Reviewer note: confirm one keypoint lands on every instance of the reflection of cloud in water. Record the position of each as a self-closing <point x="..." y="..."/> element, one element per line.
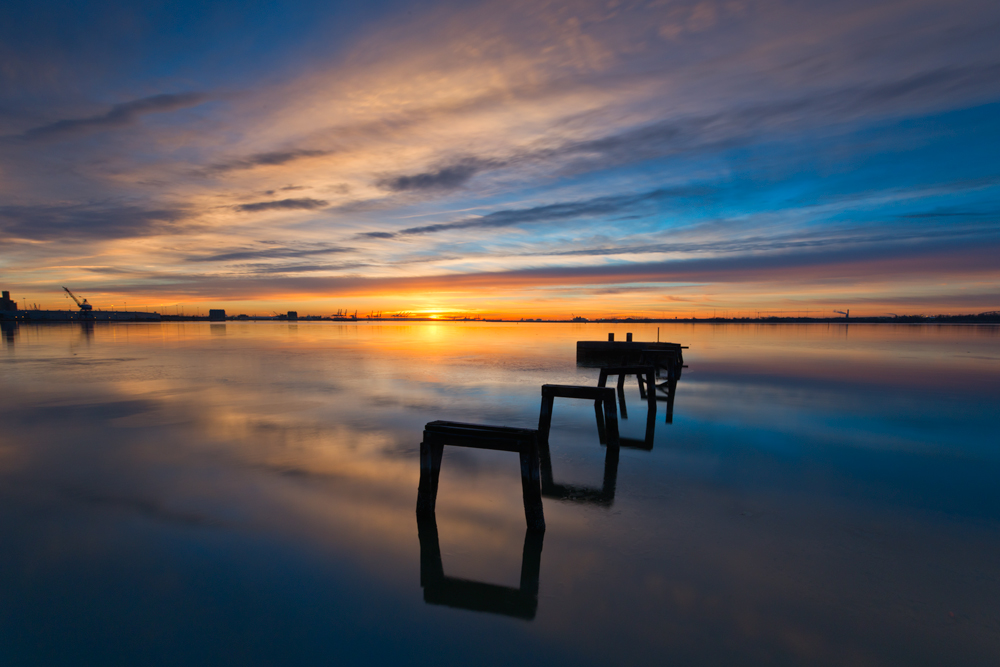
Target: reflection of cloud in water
<point x="147" y="508"/>
<point x="748" y="532"/>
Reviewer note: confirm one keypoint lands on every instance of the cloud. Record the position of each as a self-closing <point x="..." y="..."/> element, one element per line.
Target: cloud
<point x="270" y="253"/>
<point x="271" y="159"/>
<point x="283" y="204"/>
<point x="88" y="221"/>
<point x="609" y="205"/>
<point x="446" y="178"/>
<point x="271" y="269"/>
<point x="830" y="101"/>
<point x="933" y="258"/>
<point x="120" y="115"/>
<point x="928" y="87"/>
<point x="794" y="241"/>
<point x="749" y="122"/>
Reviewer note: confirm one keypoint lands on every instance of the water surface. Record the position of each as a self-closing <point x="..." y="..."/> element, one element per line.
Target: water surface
<point x="243" y="493"/>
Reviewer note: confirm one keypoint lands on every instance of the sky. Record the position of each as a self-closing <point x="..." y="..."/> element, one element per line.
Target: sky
<point x="515" y="158"/>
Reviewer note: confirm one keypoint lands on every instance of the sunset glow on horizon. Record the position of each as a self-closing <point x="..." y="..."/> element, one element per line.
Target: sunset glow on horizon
<point x="504" y="159"/>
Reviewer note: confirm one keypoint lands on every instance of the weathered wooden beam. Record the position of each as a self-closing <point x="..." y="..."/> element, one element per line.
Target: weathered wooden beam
<point x="437" y="434"/>
<point x="576" y="391"/>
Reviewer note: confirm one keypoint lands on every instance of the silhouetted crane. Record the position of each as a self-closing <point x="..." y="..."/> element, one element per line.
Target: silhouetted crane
<point x="847" y="315"/>
<point x="83" y="304"/>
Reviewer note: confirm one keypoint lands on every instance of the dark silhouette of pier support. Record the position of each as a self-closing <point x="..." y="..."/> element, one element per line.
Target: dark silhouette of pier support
<point x="646" y="376"/>
<point x="607" y="424"/>
<point x="524" y="441"/>
<point x="440" y="589"/>
<point x="671" y="363"/>
<point x="669" y="389"/>
<point x="668" y="361"/>
<point x="640" y="372"/>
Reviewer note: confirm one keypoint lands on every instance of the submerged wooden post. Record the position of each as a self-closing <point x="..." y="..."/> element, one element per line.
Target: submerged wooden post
<point x="621" y="395"/>
<point x="671" y="390"/>
<point x="430" y="472"/>
<point x="531" y="489"/>
<point x="611" y="421"/>
<point x="545" y="417"/>
<point x="650" y="393"/>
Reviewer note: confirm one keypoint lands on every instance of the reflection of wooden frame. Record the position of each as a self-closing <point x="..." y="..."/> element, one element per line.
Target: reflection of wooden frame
<point x="647" y="443"/>
<point x="524" y="441"/>
<point x="670" y="389"/>
<point x="440" y="589"/>
<point x="639" y="372"/>
<point x="607" y="425"/>
<point x="581" y="494"/>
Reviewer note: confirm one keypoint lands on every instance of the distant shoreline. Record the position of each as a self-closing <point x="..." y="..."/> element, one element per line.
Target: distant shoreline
<point x="983" y="318"/>
<point x="910" y="319"/>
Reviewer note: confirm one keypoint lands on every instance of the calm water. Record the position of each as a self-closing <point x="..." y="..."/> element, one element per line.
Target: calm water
<point x="243" y="493"/>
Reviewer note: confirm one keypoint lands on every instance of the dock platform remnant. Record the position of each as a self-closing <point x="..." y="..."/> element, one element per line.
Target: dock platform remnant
<point x="597" y="353"/>
<point x="524" y="441"/>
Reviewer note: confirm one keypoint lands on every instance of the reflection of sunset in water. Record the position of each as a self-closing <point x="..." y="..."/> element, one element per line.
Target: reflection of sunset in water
<point x="824" y="494"/>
